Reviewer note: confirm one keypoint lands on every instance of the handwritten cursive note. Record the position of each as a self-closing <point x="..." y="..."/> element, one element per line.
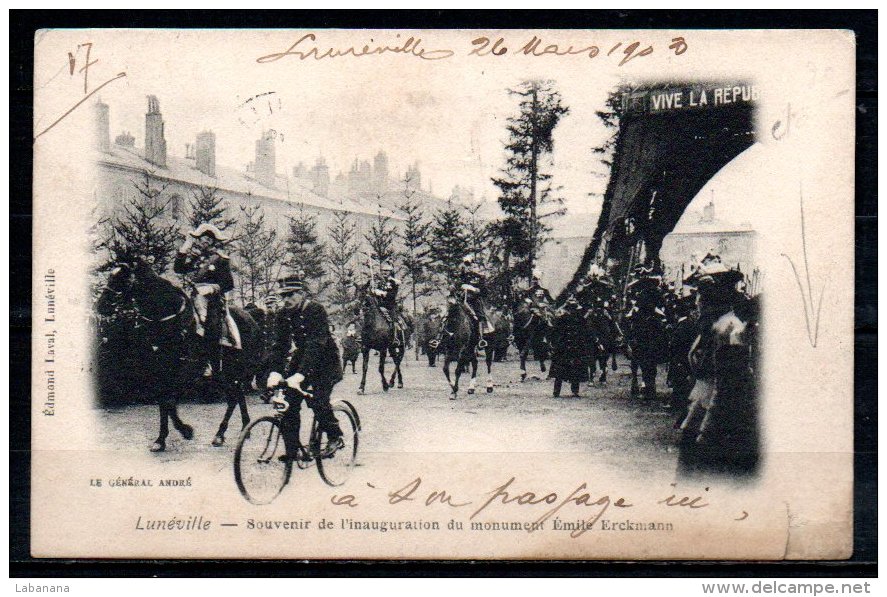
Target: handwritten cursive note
<point x="308" y="46"/>
<point x="508" y="493"/>
<point x="85" y="63"/>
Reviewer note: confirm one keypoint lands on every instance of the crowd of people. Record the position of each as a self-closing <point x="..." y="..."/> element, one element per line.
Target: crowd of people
<point x="703" y="328"/>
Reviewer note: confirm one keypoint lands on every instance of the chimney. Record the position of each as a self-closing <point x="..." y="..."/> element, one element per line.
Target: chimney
<point x="102" y="126"/>
<point x="155" y="143"/>
<point x="206" y="153"/>
<point x="265" y="161"/>
<point x="708" y="212"/>
<point x="124" y="139"/>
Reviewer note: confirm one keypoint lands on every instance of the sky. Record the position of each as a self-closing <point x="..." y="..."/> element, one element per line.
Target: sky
<point x="448" y="117"/>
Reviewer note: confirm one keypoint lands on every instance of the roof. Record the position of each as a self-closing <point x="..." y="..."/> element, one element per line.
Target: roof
<point x="693" y="223"/>
<point x="231" y="180"/>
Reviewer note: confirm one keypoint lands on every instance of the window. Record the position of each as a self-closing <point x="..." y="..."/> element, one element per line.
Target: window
<point x="175" y="206"/>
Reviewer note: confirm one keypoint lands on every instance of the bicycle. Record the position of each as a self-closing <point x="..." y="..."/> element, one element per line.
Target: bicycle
<point x="262" y="468"/>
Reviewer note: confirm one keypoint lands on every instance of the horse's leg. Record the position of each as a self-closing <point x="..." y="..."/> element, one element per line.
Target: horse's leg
<point x="186" y="430"/>
<point x="397" y="364"/>
<point x="159" y="444"/>
<point x="446" y="370"/>
<point x="365" y="363"/>
<point x="635" y="390"/>
<point x="648" y="372"/>
<point x="603" y="364"/>
<point x="458" y="374"/>
<point x="244" y="411"/>
<point x="219" y="438"/>
<point x="471" y="383"/>
<point x="592" y="367"/>
<point x="523" y="362"/>
<point x="489" y="356"/>
<point x="383" y="354"/>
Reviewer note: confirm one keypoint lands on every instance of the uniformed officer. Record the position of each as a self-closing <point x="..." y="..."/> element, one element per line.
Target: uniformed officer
<point x="473" y="283"/>
<point x="386" y="289"/>
<point x="536" y="287"/>
<point x="305" y="353"/>
<point x="208" y="270"/>
<point x="569" y="356"/>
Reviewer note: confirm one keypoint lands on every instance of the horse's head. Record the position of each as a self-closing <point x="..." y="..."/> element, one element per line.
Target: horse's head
<point x="118" y="288"/>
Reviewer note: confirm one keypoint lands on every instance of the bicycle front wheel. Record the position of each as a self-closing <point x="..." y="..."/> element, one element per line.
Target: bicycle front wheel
<point x="260" y="470"/>
<point x="336" y="469"/>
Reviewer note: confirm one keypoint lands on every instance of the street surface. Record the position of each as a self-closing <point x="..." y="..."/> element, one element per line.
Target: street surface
<point x="621" y="431"/>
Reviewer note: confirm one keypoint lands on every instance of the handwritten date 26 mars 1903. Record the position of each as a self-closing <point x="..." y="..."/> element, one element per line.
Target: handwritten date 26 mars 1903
<point x="307" y="46"/>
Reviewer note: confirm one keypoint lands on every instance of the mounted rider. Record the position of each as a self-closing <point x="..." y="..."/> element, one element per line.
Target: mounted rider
<point x="536" y="290"/>
<point x="473" y="283"/>
<point x="208" y="272"/>
<point x="385" y="287"/>
<point x="305" y="353"/>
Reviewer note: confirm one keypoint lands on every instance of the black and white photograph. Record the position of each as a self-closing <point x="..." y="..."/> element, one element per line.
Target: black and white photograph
<point x="443" y="294"/>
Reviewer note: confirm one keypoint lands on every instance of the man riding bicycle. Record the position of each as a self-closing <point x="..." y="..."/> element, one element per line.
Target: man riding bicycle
<point x="304" y="350"/>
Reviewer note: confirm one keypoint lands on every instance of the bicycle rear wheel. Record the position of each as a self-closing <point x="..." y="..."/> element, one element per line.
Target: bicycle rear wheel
<point x="336" y="469"/>
<point x="258" y="469"/>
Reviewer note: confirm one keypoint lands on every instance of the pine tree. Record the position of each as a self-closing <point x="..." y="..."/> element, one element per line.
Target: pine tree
<point x="525" y="185"/>
<point x="380" y="239"/>
<point x="259" y="254"/>
<point x="304" y="251"/>
<point x="341" y="254"/>
<point x="414" y="254"/>
<point x="477" y="233"/>
<point x="208" y="206"/>
<point x="448" y="242"/>
<point x="142" y="231"/>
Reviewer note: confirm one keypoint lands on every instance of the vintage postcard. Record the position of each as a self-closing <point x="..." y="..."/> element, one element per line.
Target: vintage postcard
<point x="447" y="294"/>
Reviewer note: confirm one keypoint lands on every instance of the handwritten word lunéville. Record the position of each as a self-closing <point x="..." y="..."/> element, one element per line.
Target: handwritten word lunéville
<point x="305" y="48"/>
<point x="308" y="46"/>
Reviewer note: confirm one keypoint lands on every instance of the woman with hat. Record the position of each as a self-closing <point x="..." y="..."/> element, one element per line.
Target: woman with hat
<point x="720" y="429"/>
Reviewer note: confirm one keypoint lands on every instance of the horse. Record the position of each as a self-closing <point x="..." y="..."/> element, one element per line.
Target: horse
<point x="350" y="352"/>
<point x="494" y="341"/>
<point x="603" y="338"/>
<point x="428" y="332"/>
<point x="502" y="337"/>
<point x="646" y="346"/>
<point x="377" y="333"/>
<point x="460" y="340"/>
<point x="177" y="354"/>
<point x="531" y="331"/>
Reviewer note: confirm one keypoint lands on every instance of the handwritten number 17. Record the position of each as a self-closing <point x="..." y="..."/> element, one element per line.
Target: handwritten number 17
<point x="72" y="64"/>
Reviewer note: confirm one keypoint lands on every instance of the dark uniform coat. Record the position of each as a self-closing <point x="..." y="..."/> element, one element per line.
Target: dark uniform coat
<point x="390" y="287"/>
<point x="569" y="346"/>
<point x="531" y="292"/>
<point x="303" y="344"/>
<point x="212" y="268"/>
